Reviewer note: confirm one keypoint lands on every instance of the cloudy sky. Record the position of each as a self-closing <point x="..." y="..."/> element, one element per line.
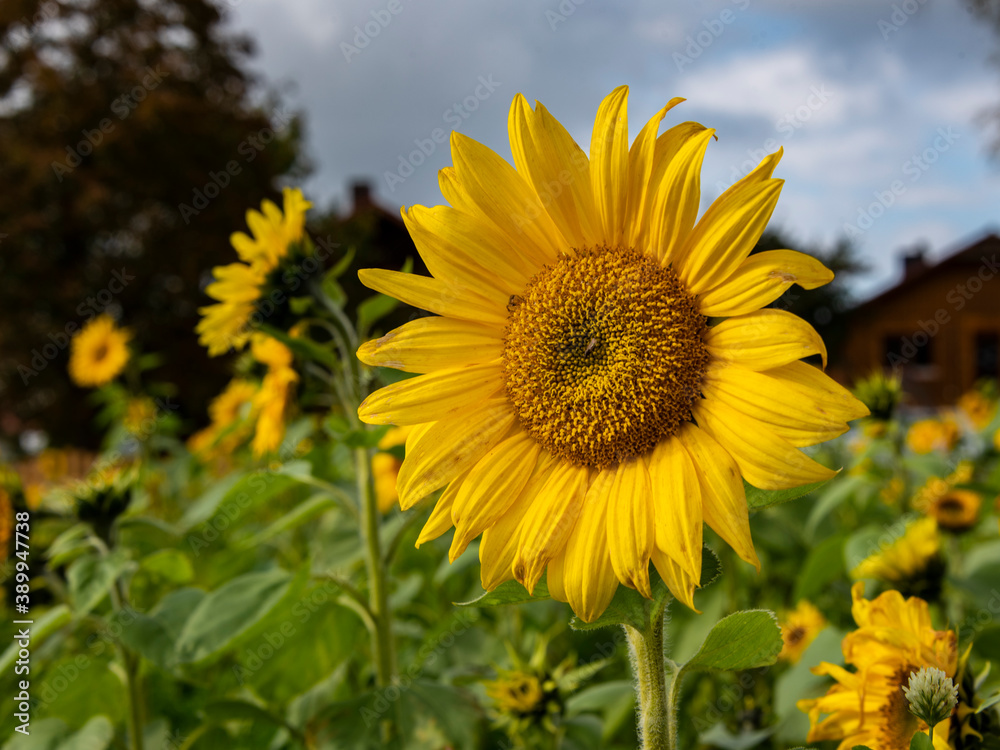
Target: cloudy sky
<point x="869" y="98"/>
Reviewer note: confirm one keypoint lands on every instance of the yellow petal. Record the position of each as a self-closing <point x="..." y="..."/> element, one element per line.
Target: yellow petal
<point x="726" y="234"/>
<point x="491" y="488"/>
<point x="794" y="414"/>
<point x="440" y="519"/>
<point x="462" y="250"/>
<point x="549" y="522"/>
<point x="555" y="577"/>
<point x="588" y="576"/>
<point x="434" y="296"/>
<point x="641" y="160"/>
<point x="677" y="177"/>
<point x="451" y="447"/>
<point x="723" y="497"/>
<point x="677" y="510"/>
<point x="763" y="340"/>
<point x="630" y="525"/>
<point x="832" y="395"/>
<point x="430" y="397"/>
<point x="548" y="157"/>
<point x="678" y="580"/>
<point x="499" y="542"/>
<point x="768" y="461"/>
<point x="429" y="344"/>
<point x="609" y="164"/>
<point x="506" y="198"/>
<point x="761" y="279"/>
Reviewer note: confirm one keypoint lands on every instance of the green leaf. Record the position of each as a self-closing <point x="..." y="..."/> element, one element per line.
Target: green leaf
<point x="234" y="495"/>
<point x="921" y="741"/>
<point x="824" y="564"/>
<point x="96" y="734"/>
<point x="341" y="265"/>
<point x="838" y="490"/>
<point x="989" y="703"/>
<point x="372" y="310"/>
<point x="90" y="578"/>
<point x="42" y="628"/>
<point x="68" y="545"/>
<point x="303" y="347"/>
<point x="509" y="592"/>
<point x="169" y="565"/>
<point x="743" y="640"/>
<point x="759" y="499"/>
<point x="219" y="712"/>
<point x="302" y="513"/>
<point x="720" y="737"/>
<point x="154" y="636"/>
<point x="629" y="607"/>
<point x="229" y="614"/>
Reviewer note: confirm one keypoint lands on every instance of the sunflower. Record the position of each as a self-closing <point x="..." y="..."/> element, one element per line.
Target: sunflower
<point x="800" y="628"/>
<point x="574" y="401"/>
<point x="229" y="413"/>
<point x="270" y="403"/>
<point x="978" y="408"/>
<point x="955" y="510"/>
<point x="98" y="352"/>
<point x="911" y="563"/>
<point x="867" y="707"/>
<point x="140" y="415"/>
<point x="932" y="435"/>
<point x="238" y="286"/>
<point x="385" y="468"/>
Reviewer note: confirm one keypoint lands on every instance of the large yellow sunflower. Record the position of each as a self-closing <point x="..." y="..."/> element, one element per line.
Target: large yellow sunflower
<point x="98" y="352"/>
<point x="227" y="324"/>
<point x="574" y="400"/>
<point x="867" y="707"/>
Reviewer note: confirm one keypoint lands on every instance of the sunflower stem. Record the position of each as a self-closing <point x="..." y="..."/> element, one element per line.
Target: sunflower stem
<point x="657" y="705"/>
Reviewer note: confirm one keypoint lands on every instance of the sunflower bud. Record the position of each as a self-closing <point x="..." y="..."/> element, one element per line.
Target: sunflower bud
<point x="932" y="695"/>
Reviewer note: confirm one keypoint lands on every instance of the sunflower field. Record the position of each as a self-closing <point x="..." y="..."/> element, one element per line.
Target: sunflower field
<point x="596" y="492"/>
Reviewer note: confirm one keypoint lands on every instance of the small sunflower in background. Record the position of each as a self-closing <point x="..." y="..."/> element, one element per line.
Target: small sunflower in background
<point x="230" y="425"/>
<point x="882" y="394"/>
<point x="929" y="435"/>
<point x="385" y="467"/>
<point x="867" y="707"/>
<point x="238" y="287"/>
<point x="800" y="628"/>
<point x="271" y="402"/>
<point x="979" y="405"/>
<point x="140" y="415"/>
<point x="99" y="352"/>
<point x="582" y="415"/>
<point x="955" y="510"/>
<point x="911" y="563"/>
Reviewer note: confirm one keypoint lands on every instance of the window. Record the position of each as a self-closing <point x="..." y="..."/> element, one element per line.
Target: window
<point x="987" y="348"/>
<point x="910" y="349"/>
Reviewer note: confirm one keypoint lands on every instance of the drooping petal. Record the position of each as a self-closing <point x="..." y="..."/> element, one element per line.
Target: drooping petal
<point x="760" y="280"/>
<point x="609" y="164"/>
<point x="491" y="488"/>
<point x="434" y="296"/>
<point x="588" y="576"/>
<point x="440" y="518"/>
<point x="434" y="396"/>
<point x="677" y="504"/>
<point x="430" y="344"/>
<point x="763" y="340"/>
<point x="723" y="497"/>
<point x="499" y="542"/>
<point x="549" y="522"/>
<point x="558" y="169"/>
<point x="678" y="580"/>
<point x="450" y="448"/>
<point x="824" y="390"/>
<point x="768" y="462"/>
<point x="630" y="525"/>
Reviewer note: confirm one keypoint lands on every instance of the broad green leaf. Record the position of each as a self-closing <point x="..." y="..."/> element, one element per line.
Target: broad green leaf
<point x="78" y="689"/>
<point x="232" y="497"/>
<point x="921" y="741"/>
<point x="758" y="499"/>
<point x="168" y="564"/>
<point x="743" y="640"/>
<point x="629" y="607"/>
<point x="41" y="629"/>
<point x="45" y="734"/>
<point x="597" y="698"/>
<point x="219" y="712"/>
<point x="302" y="513"/>
<point x="68" y="545"/>
<point x="154" y="635"/>
<point x="372" y="310"/>
<point x="90" y="578"/>
<point x="230" y="613"/>
<point x="509" y="592"/>
<point x="824" y="564"/>
<point x="96" y="734"/>
<point x="838" y="490"/>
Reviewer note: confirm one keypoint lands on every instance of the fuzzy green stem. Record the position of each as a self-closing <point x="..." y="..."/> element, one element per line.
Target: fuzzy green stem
<point x="657" y="707"/>
<point x="378" y="598"/>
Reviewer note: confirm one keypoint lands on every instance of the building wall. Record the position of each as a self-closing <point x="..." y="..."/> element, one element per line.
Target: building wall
<point x="945" y="318"/>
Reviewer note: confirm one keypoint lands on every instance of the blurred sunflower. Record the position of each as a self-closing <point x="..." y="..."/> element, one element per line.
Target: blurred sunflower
<point x="912" y="563"/>
<point x="270" y="403"/>
<point x="238" y="286"/>
<point x="385" y="468"/>
<point x="98" y="352"/>
<point x="799" y="629"/>
<point x="978" y="408"/>
<point x="929" y="435"/>
<point x="955" y="510"/>
<point x="140" y="415"/>
<point x="867" y="707"/>
<point x="581" y="412"/>
<point x="229" y="413"/>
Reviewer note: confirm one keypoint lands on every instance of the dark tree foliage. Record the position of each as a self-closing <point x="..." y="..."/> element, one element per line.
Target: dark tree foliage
<point x="131" y="144"/>
<point x="989" y="11"/>
<point x="826" y="307"/>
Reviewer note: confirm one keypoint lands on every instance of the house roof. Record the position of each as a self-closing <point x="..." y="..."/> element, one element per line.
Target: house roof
<point x="969" y="255"/>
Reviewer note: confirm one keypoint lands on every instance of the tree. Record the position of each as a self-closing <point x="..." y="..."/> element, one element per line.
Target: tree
<point x="130" y="148"/>
<point x="989" y="11"/>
